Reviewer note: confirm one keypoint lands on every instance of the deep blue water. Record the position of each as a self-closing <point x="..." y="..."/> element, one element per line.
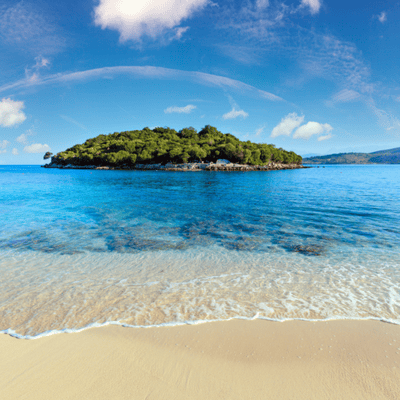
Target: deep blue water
<point x="154" y="247"/>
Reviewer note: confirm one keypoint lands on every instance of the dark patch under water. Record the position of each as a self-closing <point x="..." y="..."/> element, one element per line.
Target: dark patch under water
<point x="173" y="248"/>
<point x="308" y="212"/>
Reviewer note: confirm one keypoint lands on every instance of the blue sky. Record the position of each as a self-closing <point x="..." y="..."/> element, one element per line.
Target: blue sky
<point x="312" y="76"/>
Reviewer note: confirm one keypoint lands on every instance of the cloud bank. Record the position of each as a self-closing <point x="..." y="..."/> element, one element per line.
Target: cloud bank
<point x="36" y="148"/>
<point x="292" y="121"/>
<point x="180" y="110"/>
<point x="23" y="138"/>
<point x="325" y="137"/>
<point x="312" y="128"/>
<point x="251" y="33"/>
<point x="382" y="17"/>
<point x="3" y="146"/>
<point x="345" y="96"/>
<point x="386" y="120"/>
<point x="147" y="72"/>
<point x="235" y="113"/>
<point x="314" y="5"/>
<point x="134" y="19"/>
<point x="28" y="28"/>
<point x="287" y="125"/>
<point x="11" y="113"/>
<point x="260" y="130"/>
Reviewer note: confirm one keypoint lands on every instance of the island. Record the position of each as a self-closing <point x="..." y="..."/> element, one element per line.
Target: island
<point x="391" y="156"/>
<point x="167" y="149"/>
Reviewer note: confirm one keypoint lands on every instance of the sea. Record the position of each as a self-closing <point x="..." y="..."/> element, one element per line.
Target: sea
<point x="86" y="248"/>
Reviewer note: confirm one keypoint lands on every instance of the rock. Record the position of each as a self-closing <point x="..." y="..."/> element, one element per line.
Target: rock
<point x="183" y="167"/>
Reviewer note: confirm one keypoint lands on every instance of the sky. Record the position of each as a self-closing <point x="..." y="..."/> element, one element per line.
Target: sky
<point x="310" y="76"/>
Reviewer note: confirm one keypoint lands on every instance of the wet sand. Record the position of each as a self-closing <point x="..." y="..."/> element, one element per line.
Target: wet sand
<point x="221" y="360"/>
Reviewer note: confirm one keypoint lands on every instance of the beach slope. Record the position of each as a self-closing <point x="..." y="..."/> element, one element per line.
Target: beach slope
<point x="235" y="359"/>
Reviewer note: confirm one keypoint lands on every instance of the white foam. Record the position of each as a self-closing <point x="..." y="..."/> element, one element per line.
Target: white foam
<point x="193" y="288"/>
<point x="12" y="333"/>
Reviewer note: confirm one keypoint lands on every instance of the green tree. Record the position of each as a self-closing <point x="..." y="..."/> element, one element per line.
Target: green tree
<point x="166" y="144"/>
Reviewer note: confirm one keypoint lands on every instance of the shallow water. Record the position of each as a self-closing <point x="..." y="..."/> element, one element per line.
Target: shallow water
<point x="80" y="247"/>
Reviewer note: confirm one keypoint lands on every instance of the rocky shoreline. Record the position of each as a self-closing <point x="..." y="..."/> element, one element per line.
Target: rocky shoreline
<point x="185" y="167"/>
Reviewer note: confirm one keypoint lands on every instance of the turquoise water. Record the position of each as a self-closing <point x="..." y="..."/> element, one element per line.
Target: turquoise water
<point x="142" y="248"/>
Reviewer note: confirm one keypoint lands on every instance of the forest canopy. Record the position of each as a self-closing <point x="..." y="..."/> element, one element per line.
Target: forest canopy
<point x="163" y="145"/>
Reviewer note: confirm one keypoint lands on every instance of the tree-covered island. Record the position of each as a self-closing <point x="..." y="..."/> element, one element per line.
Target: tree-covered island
<point x="165" y="147"/>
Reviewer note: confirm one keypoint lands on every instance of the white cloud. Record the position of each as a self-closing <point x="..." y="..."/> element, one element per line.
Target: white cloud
<point x="275" y="31"/>
<point x="287" y="125"/>
<point x="11" y="112"/>
<point x="32" y="74"/>
<point x="36" y="148"/>
<point x="385" y="119"/>
<point x="253" y="20"/>
<point x="14" y="152"/>
<point x="31" y="77"/>
<point x="3" y="146"/>
<point x="314" y="5"/>
<point x="261" y="4"/>
<point x="382" y="17"/>
<point x="311" y="128"/>
<point x="180" y="110"/>
<point x="260" y="130"/>
<point x="146" y="72"/>
<point x="235" y="113"/>
<point x="134" y="19"/>
<point x="23" y="138"/>
<point x="336" y="60"/>
<point x="41" y="62"/>
<point x="345" y="96"/>
<point x="325" y="137"/>
<point x="180" y="31"/>
<point x="28" y="28"/>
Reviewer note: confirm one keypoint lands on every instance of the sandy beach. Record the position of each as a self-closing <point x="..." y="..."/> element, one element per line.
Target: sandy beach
<point x="235" y="359"/>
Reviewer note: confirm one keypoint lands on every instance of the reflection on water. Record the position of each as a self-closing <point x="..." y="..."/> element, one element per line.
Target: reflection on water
<point x="149" y="247"/>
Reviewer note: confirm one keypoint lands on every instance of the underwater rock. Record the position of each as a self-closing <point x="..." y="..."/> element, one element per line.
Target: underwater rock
<point x="308" y="250"/>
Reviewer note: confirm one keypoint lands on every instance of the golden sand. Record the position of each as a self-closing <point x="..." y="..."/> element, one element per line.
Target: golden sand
<point x="221" y="360"/>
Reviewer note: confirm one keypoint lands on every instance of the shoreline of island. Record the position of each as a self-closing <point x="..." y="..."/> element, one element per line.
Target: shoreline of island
<point x="234" y="359"/>
<point x="185" y="167"/>
<point x="171" y="150"/>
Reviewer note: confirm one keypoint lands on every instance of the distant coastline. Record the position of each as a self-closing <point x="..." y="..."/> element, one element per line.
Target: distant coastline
<point x="391" y="156"/>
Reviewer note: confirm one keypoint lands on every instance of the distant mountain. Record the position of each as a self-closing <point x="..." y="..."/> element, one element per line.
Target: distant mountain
<point x="391" y="156"/>
<point x="309" y="155"/>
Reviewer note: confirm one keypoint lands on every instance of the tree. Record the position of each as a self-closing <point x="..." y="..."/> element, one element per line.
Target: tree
<point x="166" y="145"/>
